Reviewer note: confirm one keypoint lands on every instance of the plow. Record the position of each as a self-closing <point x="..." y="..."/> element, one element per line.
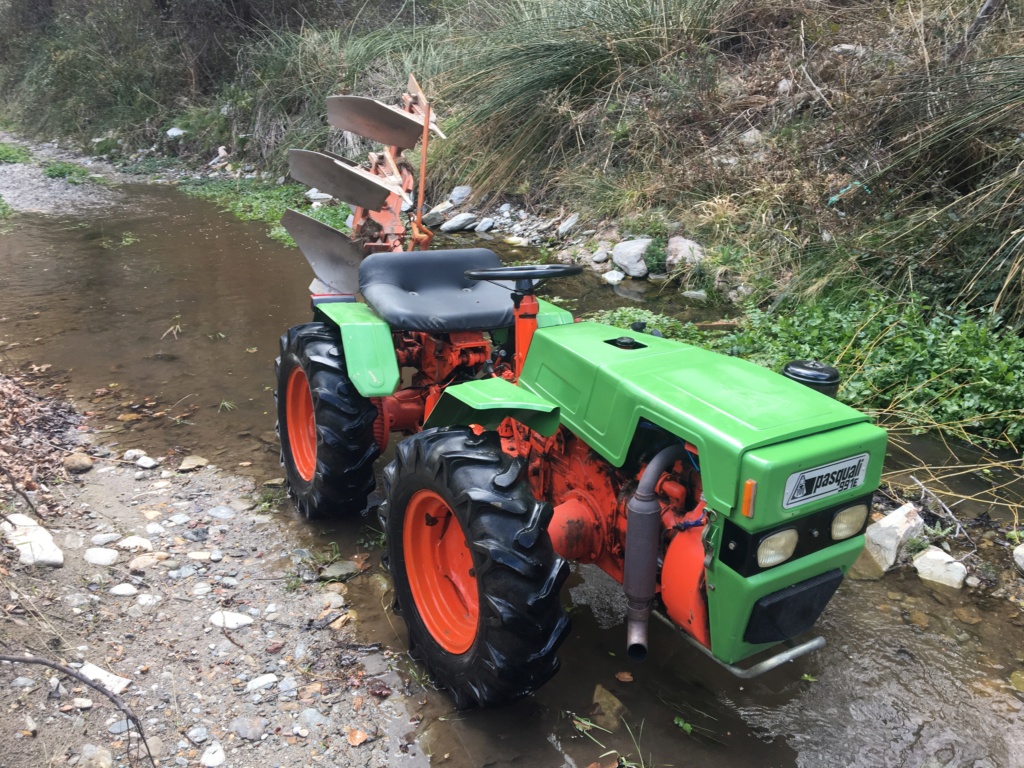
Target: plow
<point x="726" y="499"/>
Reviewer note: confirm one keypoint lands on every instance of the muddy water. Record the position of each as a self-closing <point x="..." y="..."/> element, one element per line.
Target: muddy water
<point x="170" y="312"/>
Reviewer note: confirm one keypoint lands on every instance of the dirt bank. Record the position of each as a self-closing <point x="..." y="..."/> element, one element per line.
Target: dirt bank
<point x="232" y="647"/>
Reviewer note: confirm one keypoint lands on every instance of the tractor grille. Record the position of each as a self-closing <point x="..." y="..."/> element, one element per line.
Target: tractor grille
<point x="791" y="611"/>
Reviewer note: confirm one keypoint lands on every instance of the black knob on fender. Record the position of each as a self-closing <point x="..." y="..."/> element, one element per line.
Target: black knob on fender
<point x="811" y="373"/>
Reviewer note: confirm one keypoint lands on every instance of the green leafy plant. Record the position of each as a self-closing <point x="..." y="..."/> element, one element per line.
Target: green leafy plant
<point x="70" y="172"/>
<point x="5" y="209"/>
<point x="14" y="153"/>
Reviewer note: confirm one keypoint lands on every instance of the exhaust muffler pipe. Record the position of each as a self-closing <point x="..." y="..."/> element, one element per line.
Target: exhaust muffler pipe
<point x="643" y="538"/>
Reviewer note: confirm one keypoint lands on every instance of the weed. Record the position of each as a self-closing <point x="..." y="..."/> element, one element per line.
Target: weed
<point x="175" y="328"/>
<point x="226" y="405"/>
<point x="70" y="172"/>
<point x="149" y="165"/>
<point x="14" y="153"/>
<point x="270" y="499"/>
<point x="5" y="209"/>
<point x="370" y="538"/>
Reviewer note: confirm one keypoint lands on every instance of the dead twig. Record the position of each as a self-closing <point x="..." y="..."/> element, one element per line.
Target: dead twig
<point x="17" y="490"/>
<point x="960" y="531"/>
<point x="114" y="698"/>
<point x="224" y="631"/>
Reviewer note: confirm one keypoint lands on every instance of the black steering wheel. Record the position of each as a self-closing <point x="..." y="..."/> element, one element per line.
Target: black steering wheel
<point x="524" y="272"/>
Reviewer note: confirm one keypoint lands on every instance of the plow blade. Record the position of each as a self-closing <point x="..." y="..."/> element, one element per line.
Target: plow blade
<point x="333" y="256"/>
<point x="375" y="121"/>
<point x="349" y="183"/>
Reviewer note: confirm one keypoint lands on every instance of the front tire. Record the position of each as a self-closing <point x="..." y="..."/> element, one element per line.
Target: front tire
<point x="324" y="424"/>
<point x="476" y="578"/>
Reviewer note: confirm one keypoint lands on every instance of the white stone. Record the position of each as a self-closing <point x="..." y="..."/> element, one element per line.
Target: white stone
<point x="82" y="703"/>
<point x="192" y="462"/>
<point x="484" y="226"/>
<point x="108" y="680"/>
<point x="147" y="462"/>
<point x="229" y="620"/>
<point x="35" y="544"/>
<point x="460" y="195"/>
<point x="751" y="138"/>
<point x="213" y="756"/>
<point x="101" y="556"/>
<point x="937" y="567"/>
<point x="175" y="133"/>
<point x="154" y="529"/>
<point x="133" y="454"/>
<point x="147" y="600"/>
<point x="680" y="251"/>
<point x="629" y="256"/>
<point x="124" y="590"/>
<point x="566" y="226"/>
<point x="600" y="256"/>
<point x="102" y="539"/>
<point x="885" y="539"/>
<point x="263" y="681"/>
<point x="1018" y="557"/>
<point x="95" y="757"/>
<point x="135" y="543"/>
<point x="784" y="87"/>
<point x="613" y="277"/>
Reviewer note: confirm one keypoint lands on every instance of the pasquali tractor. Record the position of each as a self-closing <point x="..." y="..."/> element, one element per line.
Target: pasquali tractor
<point x="728" y="500"/>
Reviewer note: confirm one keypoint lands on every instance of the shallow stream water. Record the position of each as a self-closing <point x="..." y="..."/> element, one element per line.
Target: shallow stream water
<point x="163" y="317"/>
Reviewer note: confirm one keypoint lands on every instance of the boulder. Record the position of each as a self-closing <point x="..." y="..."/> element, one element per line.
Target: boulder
<point x="566" y="226"/>
<point x="680" y="251"/>
<point x="885" y="539"/>
<point x="484" y="226"/>
<point x="459" y="222"/>
<point x="629" y="256"/>
<point x="936" y="567"/>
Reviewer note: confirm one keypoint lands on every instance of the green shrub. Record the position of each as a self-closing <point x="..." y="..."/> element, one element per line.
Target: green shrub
<point x="70" y="172"/>
<point x="14" y="153"/>
<point x="5" y="209"/>
<point x="917" y="367"/>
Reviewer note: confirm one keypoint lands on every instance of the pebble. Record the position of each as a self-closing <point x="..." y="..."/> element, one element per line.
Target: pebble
<point x="148" y="560"/>
<point x="263" y="681"/>
<point x="342" y="570"/>
<point x="178" y="519"/>
<point x="95" y="757"/>
<point x="199" y="556"/>
<point x="101" y="556"/>
<point x="35" y="544"/>
<point x="121" y="726"/>
<point x="613" y="277"/>
<point x="182" y="573"/>
<point x="108" y="680"/>
<point x="191" y="463"/>
<point x="24" y="682"/>
<point x="82" y="703"/>
<point x="213" y="756"/>
<point x="230" y="620"/>
<point x="312" y="718"/>
<point x="155" y="529"/>
<point x="249" y="728"/>
<point x="133" y="454"/>
<point x="202" y="588"/>
<point x="135" y="543"/>
<point x="102" y="539"/>
<point x="198" y="734"/>
<point x="147" y="600"/>
<point x="216" y="555"/>
<point x="221" y="513"/>
<point x="147" y="462"/>
<point x="124" y="590"/>
<point x="77" y="463"/>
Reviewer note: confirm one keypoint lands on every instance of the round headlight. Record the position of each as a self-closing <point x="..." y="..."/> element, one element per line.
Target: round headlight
<point x="849" y="521"/>
<point x="777" y="548"/>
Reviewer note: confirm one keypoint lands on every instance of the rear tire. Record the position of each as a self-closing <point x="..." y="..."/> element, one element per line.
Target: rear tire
<point x="324" y="424"/>
<point x="476" y="578"/>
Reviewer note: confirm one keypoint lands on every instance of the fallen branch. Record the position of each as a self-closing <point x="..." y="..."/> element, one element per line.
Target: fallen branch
<point x="17" y="490"/>
<point x="949" y="513"/>
<point x="114" y="698"/>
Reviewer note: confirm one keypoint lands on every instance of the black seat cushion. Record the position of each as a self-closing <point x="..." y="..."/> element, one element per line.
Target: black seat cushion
<point x="428" y="290"/>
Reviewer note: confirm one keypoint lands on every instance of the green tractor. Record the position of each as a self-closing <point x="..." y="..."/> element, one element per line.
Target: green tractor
<point x="728" y="500"/>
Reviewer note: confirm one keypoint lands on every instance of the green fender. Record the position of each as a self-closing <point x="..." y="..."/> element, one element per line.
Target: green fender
<point x="369" y="350"/>
<point x="488" y="401"/>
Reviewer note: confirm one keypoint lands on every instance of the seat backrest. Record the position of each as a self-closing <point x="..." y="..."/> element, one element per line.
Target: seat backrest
<point x="422" y="270"/>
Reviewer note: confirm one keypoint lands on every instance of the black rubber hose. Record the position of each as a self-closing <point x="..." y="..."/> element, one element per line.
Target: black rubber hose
<point x="643" y="536"/>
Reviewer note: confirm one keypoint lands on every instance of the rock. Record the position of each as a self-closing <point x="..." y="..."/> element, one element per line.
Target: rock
<point x="263" y="681"/>
<point x="312" y="718"/>
<point x="175" y="133"/>
<point x="967" y="615"/>
<point x="784" y="87"/>
<point x="484" y="226"/>
<point x="124" y="590"/>
<point x="135" y="543"/>
<point x="600" y="256"/>
<point x="885" y="539"/>
<point x="229" y="620"/>
<point x="629" y="256"/>
<point x="101" y="556"/>
<point x="937" y="567"/>
<point x="846" y="49"/>
<point x="147" y="462"/>
<point x="198" y="734"/>
<point x="82" y="703"/>
<point x="751" y="138"/>
<point x="202" y="588"/>
<point x="198" y="556"/>
<point x="919" y="619"/>
<point x="249" y="728"/>
<point x="108" y="680"/>
<point x="460" y="195"/>
<point x="972" y="582"/>
<point x="133" y="454"/>
<point x="1017" y="680"/>
<point x="436" y="214"/>
<point x="613" y="277"/>
<point x="695" y="295"/>
<point x="314" y="195"/>
<point x="740" y="292"/>
<point x="221" y="513"/>
<point x="24" y="682"/>
<point x="458" y="223"/>
<point x="77" y="463"/>
<point x="147" y="600"/>
<point x="566" y="226"/>
<point x="35" y="544"/>
<point x="95" y="757"/>
<point x="342" y="570"/>
<point x="192" y="463"/>
<point x="213" y="756"/>
<point x="680" y="251"/>
<point x="609" y="710"/>
<point x="1018" y="557"/>
<point x="102" y="539"/>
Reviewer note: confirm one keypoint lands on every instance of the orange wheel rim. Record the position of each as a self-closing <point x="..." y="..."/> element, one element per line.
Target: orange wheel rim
<point x="440" y="570"/>
<point x="301" y="424"/>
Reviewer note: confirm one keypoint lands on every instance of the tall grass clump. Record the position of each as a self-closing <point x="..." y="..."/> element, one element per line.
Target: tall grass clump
<point x="545" y="83"/>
